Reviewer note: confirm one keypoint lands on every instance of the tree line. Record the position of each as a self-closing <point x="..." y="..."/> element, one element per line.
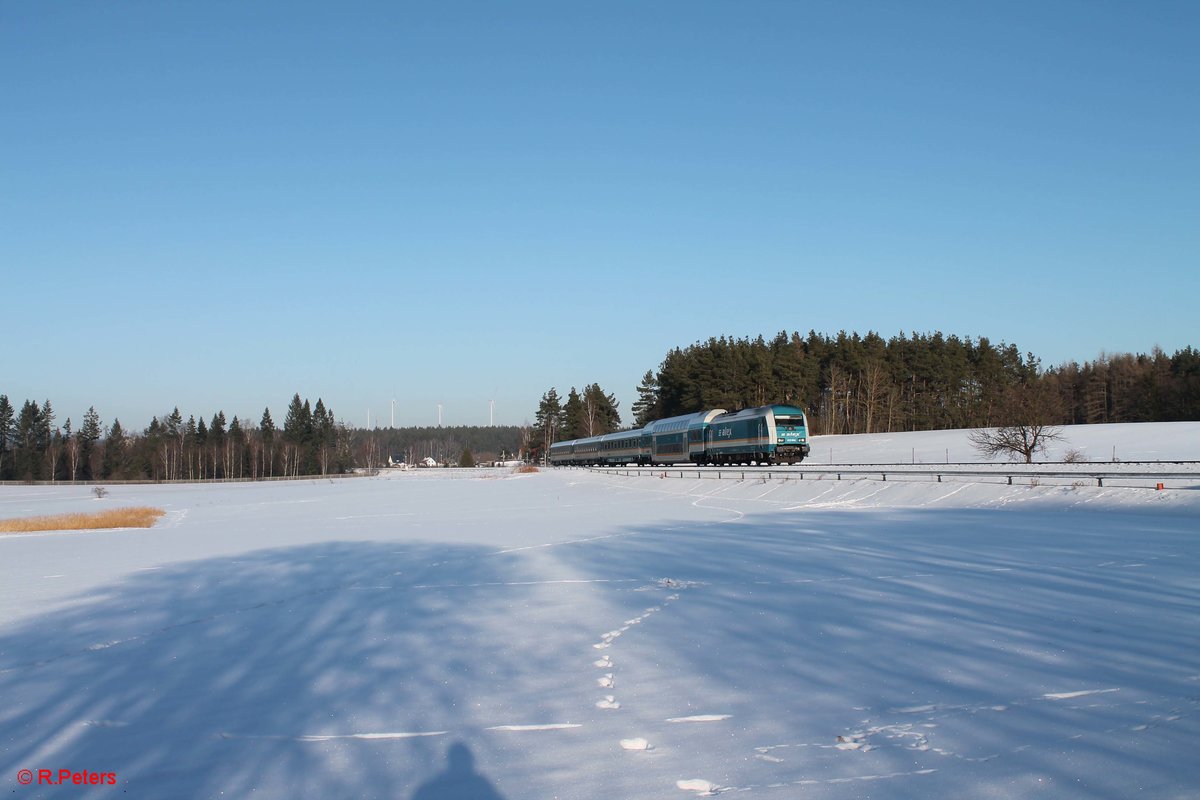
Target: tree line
<point x="591" y="412"/>
<point x="310" y="442"/>
<point x="450" y="444"/>
<point x="851" y="383"/>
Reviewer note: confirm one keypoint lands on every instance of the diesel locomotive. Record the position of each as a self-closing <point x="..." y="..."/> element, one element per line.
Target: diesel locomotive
<point x="775" y="434"/>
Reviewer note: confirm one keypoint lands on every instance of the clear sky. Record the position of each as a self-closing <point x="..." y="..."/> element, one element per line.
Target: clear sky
<point x="214" y="205"/>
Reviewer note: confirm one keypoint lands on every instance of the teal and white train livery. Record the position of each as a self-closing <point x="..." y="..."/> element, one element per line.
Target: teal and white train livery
<point x="764" y="435"/>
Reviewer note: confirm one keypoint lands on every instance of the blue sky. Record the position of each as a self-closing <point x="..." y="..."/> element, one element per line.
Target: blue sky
<point x="216" y="205"/>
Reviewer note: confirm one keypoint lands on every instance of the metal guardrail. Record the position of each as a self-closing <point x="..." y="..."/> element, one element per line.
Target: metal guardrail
<point x="933" y="474"/>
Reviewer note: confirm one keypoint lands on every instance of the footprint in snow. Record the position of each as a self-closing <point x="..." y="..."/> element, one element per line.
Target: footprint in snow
<point x="703" y="787"/>
<point x="635" y="744"/>
<point x="608" y="702"/>
<point x="855" y="741"/>
<point x="604" y="662"/>
<point x="672" y="583"/>
<point x="606" y="682"/>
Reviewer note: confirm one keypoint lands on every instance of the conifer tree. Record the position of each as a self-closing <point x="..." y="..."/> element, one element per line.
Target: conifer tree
<point x="645" y="408"/>
<point x="27" y="456"/>
<point x="307" y="451"/>
<point x="324" y="436"/>
<point x="173" y="435"/>
<point x="294" y="422"/>
<point x="600" y="411"/>
<point x="297" y="435"/>
<point x="50" y="439"/>
<point x="548" y="424"/>
<point x="235" y="444"/>
<point x="192" y="452"/>
<point x="6" y="432"/>
<point x="202" y="447"/>
<point x="575" y="426"/>
<point x="114" y="464"/>
<point x="267" y="431"/>
<point x="89" y="434"/>
<point x="157" y="443"/>
<point x="466" y="459"/>
<point x="216" y="445"/>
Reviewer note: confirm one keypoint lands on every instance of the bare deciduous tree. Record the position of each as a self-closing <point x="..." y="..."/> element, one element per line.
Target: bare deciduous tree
<point x="1014" y="440"/>
<point x="872" y="386"/>
<point x="1030" y="412"/>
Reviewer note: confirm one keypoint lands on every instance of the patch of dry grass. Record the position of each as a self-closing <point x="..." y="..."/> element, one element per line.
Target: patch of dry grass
<point x="524" y="468"/>
<point x="139" y="517"/>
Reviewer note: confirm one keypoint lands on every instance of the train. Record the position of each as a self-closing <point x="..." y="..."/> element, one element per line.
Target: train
<point x="775" y="434"/>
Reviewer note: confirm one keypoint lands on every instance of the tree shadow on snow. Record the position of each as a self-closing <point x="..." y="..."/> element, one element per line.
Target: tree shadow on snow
<point x="949" y="640"/>
<point x="331" y="670"/>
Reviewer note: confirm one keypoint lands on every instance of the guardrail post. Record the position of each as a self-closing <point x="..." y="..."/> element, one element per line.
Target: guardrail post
<point x="885" y="477"/>
<point x="1099" y="481"/>
<point x="939" y="478"/>
<point x="1010" y="480"/>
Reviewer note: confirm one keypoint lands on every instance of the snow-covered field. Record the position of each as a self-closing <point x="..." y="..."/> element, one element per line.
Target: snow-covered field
<point x="1098" y="444"/>
<point x="487" y="635"/>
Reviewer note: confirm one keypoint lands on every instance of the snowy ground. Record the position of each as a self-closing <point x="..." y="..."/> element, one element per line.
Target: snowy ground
<point x="571" y="635"/>
<point x="1098" y="444"/>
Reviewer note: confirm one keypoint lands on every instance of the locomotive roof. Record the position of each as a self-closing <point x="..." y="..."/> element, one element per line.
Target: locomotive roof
<point x="760" y="411"/>
<point x="789" y="411"/>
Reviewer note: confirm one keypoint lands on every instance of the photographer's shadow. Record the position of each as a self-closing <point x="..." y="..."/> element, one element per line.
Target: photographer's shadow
<point x="459" y="781"/>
